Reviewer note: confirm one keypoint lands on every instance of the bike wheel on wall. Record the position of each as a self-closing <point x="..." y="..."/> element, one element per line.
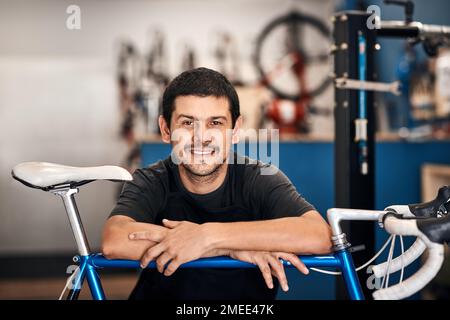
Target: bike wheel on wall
<point x="292" y="56"/>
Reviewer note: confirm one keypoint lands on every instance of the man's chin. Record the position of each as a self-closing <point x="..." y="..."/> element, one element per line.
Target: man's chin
<point x="202" y="170"/>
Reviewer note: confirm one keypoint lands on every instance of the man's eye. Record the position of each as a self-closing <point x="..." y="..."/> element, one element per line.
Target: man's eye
<point x="187" y="123"/>
<point x="216" y="123"/>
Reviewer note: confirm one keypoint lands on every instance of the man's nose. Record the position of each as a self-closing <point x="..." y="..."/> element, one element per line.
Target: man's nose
<point x="201" y="135"/>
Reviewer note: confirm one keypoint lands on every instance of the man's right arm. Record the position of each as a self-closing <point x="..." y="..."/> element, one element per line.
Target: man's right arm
<point x="117" y="245"/>
<point x="115" y="241"/>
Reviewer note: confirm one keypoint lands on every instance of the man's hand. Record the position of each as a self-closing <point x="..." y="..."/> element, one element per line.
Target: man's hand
<point x="180" y="242"/>
<point x="183" y="241"/>
<point x="115" y="239"/>
<point x="269" y="263"/>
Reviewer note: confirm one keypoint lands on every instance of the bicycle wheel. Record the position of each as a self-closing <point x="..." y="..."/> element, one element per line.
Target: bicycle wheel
<point x="301" y="51"/>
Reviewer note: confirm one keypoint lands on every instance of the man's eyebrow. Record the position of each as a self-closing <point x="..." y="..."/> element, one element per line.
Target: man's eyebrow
<point x="193" y="118"/>
<point x="185" y="116"/>
<point x="219" y="117"/>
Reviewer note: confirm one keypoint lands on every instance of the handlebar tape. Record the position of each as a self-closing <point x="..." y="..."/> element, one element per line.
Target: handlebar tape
<point x="425" y="274"/>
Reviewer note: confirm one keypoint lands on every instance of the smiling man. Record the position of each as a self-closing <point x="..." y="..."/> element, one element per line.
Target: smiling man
<point x="204" y="200"/>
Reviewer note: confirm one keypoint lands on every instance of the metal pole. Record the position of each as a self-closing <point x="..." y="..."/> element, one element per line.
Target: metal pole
<point x="67" y="195"/>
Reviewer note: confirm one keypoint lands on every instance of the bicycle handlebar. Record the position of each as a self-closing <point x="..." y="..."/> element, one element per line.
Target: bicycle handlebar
<point x="409" y="256"/>
<point x="425" y="274"/>
<point x="438" y="206"/>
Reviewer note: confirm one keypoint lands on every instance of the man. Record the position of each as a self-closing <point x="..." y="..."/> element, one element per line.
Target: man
<point x="205" y="200"/>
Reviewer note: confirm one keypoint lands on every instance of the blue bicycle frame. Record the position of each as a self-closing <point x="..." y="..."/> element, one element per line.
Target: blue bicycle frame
<point x="341" y="260"/>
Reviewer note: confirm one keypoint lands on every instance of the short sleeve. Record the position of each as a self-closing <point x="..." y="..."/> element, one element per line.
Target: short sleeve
<point x="276" y="196"/>
<point x="141" y="198"/>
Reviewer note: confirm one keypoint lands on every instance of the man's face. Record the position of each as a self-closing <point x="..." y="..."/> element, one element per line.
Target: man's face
<point x="201" y="133"/>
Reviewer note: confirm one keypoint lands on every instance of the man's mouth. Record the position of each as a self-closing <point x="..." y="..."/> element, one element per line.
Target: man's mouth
<point x="203" y="151"/>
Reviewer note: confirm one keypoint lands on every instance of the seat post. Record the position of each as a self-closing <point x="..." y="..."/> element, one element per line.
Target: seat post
<point x="67" y="194"/>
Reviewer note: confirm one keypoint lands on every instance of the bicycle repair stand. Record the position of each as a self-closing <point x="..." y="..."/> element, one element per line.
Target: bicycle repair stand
<point x="354" y="131"/>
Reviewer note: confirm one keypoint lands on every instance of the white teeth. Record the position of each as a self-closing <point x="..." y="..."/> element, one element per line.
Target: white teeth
<point x="202" y="152"/>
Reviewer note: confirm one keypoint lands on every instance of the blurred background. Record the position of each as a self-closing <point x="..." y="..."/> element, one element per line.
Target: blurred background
<point x="81" y="83"/>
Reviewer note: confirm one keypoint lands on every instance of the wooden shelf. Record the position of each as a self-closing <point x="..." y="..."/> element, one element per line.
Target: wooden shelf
<point x="434" y="176"/>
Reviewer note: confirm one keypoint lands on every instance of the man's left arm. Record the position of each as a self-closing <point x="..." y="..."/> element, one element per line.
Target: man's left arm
<point x="307" y="234"/>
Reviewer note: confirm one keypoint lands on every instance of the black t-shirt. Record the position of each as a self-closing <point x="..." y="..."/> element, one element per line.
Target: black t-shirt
<point x="156" y="192"/>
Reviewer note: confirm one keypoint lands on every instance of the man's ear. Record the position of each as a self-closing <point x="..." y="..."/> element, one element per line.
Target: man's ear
<point x="236" y="129"/>
<point x="164" y="129"/>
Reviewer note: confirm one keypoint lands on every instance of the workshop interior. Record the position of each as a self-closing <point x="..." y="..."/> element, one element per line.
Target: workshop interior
<point x="357" y="90"/>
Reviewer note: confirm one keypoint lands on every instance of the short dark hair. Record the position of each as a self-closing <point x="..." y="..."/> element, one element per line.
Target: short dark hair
<point x="202" y="82"/>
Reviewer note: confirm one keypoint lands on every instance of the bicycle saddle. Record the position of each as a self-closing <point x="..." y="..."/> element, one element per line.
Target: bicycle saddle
<point x="46" y="176"/>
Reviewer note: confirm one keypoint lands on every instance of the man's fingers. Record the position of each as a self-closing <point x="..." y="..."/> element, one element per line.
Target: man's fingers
<point x="266" y="272"/>
<point x="296" y="262"/>
<point x="162" y="260"/>
<point x="156" y="235"/>
<point x="278" y="269"/>
<point x="139" y="235"/>
<point x="172" y="267"/>
<point x="170" y="223"/>
<point x="151" y="254"/>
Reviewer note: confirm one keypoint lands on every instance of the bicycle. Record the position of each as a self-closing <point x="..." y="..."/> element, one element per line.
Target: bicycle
<point x="429" y="222"/>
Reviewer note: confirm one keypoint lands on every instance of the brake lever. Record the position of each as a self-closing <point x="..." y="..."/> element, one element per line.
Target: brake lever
<point x="445" y="208"/>
<point x="434" y="207"/>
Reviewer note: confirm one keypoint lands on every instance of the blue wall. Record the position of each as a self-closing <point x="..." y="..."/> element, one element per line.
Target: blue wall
<point x="309" y="165"/>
